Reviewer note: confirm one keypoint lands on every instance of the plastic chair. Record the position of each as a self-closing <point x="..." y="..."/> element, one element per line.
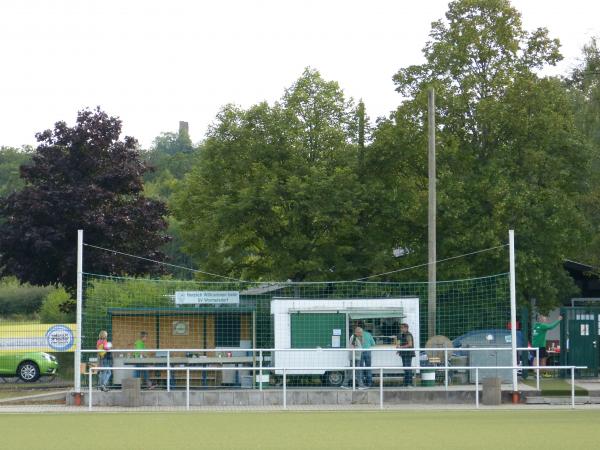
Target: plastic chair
<point x="84" y="371"/>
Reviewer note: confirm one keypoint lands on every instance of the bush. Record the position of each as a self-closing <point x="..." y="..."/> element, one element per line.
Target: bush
<point x="51" y="310"/>
<point x="21" y="299"/>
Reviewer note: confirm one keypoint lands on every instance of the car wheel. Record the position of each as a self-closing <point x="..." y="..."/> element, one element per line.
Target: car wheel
<point x="335" y="378"/>
<point x="28" y="371"/>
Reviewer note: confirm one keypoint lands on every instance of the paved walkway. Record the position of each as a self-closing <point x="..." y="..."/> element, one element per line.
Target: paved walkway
<point x="58" y="409"/>
<point x="591" y="385"/>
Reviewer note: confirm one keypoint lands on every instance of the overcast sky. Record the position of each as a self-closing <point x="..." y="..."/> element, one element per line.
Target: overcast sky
<point x="153" y="63"/>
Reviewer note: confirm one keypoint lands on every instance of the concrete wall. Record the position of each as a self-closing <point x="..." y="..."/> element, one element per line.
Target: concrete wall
<point x="275" y="397"/>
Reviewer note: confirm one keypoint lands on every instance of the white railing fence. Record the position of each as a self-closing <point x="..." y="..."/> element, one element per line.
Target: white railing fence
<point x="286" y="362"/>
<point x="284" y="371"/>
<point x="294" y="359"/>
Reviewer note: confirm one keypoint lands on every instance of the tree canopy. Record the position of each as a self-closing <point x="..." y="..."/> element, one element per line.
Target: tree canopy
<point x="509" y="153"/>
<point x="11" y="159"/>
<point x="275" y="193"/>
<point x="80" y="177"/>
<point x="306" y="188"/>
<point x="584" y="87"/>
<point x="295" y="190"/>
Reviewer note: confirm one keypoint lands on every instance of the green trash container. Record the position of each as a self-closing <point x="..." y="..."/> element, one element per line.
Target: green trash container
<point x="427" y="377"/>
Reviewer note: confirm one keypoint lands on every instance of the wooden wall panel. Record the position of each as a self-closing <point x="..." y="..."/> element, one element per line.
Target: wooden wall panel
<point x="210" y="331"/>
<point x="126" y="330"/>
<point x="246" y="327"/>
<point x="194" y="338"/>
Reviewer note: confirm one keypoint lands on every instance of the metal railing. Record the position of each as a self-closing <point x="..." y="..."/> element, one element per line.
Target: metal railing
<point x="260" y="354"/>
<point x="354" y="369"/>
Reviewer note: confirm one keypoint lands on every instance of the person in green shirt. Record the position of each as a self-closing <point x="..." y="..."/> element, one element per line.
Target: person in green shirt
<point x="538" y="337"/>
<point x="140" y="344"/>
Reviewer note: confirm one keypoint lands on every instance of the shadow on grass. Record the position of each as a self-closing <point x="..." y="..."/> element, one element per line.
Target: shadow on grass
<point x="556" y="387"/>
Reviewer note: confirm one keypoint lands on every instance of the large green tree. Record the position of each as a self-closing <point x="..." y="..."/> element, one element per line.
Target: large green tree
<point x="584" y="87"/>
<point x="10" y="161"/>
<point x="171" y="157"/>
<point x="80" y="177"/>
<point x="509" y="154"/>
<point x="585" y="84"/>
<point x="275" y="192"/>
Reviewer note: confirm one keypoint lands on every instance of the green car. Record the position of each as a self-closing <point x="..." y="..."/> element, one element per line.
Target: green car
<point x="28" y="366"/>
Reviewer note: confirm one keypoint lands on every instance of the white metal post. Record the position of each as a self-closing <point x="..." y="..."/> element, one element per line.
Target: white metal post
<point x="187" y="389"/>
<point x="477" y="387"/>
<point x="353" y="370"/>
<point x="77" y="364"/>
<point x="284" y="389"/>
<point x="513" y="307"/>
<point x="169" y="371"/>
<point x="380" y="388"/>
<point x="537" y="370"/>
<point x="445" y="369"/>
<point x="573" y="387"/>
<point x="260" y="367"/>
<point x="90" y="389"/>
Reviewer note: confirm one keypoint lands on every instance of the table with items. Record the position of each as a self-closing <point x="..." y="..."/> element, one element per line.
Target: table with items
<point x="198" y="378"/>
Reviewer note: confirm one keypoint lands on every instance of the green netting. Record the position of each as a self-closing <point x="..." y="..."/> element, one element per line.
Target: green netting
<point x="126" y="307"/>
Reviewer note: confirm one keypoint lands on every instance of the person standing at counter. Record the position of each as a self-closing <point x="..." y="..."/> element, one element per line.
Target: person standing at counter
<point x="406" y="341"/>
<point x="140" y="344"/>
<point x="538" y="338"/>
<point x="364" y="340"/>
<point x="104" y="359"/>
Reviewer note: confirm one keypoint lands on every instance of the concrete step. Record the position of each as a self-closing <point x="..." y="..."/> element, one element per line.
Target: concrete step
<point x="294" y="397"/>
<point x="579" y="400"/>
<point x="48" y="396"/>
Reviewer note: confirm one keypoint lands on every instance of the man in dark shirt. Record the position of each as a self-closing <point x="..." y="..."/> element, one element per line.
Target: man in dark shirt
<point x="405" y="342"/>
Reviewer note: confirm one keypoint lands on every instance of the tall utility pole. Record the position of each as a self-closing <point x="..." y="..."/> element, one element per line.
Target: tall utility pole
<point x="431" y="222"/>
<point x="361" y="136"/>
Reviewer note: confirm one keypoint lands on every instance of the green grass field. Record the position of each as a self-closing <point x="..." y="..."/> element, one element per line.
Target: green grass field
<point x="304" y="430"/>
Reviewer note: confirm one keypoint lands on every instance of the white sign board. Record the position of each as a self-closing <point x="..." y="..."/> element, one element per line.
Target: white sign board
<point x="207" y="298"/>
<point x="335" y="341"/>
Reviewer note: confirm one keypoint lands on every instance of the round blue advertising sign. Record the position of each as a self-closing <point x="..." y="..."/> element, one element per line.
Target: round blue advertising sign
<point x="60" y="338"/>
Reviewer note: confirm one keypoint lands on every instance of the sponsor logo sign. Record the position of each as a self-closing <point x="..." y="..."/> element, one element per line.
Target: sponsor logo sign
<point x="36" y="337"/>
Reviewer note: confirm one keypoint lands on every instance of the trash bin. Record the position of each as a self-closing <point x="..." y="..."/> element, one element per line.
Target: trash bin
<point x="492" y="391"/>
<point x="427" y="377"/>
<point x="459" y="376"/>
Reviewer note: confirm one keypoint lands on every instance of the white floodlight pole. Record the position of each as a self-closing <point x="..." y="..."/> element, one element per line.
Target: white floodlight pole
<point x="79" y="303"/>
<point x="513" y="306"/>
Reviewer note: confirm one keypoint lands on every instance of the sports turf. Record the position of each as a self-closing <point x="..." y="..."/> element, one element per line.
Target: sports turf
<point x="304" y="430"/>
